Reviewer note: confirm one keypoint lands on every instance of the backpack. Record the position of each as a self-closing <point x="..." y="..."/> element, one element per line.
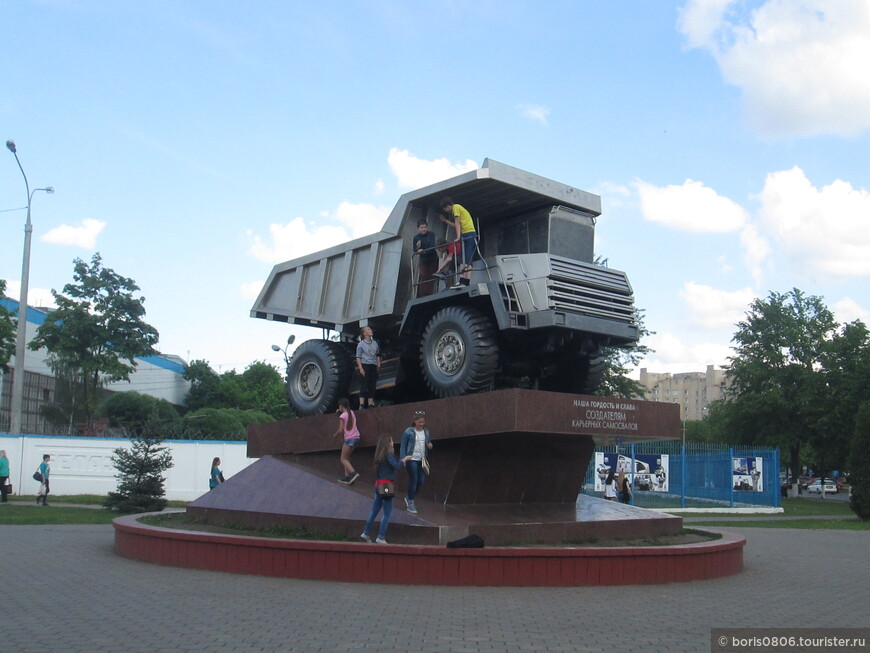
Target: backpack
<point x="470" y="542"/>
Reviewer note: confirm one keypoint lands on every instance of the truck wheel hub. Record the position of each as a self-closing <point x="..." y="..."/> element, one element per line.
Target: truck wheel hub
<point x="449" y="352"/>
<point x="310" y="380"/>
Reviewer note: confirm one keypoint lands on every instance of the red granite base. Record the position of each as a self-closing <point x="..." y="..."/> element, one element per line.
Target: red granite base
<point x="429" y="565"/>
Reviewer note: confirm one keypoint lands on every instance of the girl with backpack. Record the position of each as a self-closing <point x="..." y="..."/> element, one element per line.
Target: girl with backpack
<point x="385" y="488"/>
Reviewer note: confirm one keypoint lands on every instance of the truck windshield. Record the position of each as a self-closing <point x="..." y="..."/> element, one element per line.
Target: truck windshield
<point x="552" y="231"/>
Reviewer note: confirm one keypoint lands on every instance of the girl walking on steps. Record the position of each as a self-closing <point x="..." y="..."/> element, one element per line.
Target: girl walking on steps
<point x="387" y="464"/>
<point x="347" y="426"/>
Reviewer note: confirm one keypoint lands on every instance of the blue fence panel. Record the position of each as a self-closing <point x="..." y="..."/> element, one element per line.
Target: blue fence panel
<point x="701" y="475"/>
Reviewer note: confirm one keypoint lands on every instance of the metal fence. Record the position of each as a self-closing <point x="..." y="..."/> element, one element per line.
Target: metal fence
<point x="696" y="475"/>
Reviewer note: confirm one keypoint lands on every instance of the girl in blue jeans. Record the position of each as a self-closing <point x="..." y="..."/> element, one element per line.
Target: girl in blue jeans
<point x="416" y="445"/>
<point x="387" y="464"/>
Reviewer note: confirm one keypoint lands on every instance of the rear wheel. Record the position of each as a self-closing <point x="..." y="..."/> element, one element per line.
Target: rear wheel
<point x="459" y="353"/>
<point x="578" y="374"/>
<point x="317" y="377"/>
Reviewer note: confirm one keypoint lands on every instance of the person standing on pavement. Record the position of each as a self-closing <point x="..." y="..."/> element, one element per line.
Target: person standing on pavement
<point x="4" y="476"/>
<point x="416" y="445"/>
<point x="387" y="464"/>
<point x="368" y="362"/>
<point x="623" y="489"/>
<point x="610" y="487"/>
<point x="45" y="472"/>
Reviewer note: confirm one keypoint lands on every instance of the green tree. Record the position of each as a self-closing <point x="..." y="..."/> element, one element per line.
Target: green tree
<point x="7" y="333"/>
<point x="264" y="390"/>
<point x="843" y="383"/>
<point x="141" y="484"/>
<point x="135" y="413"/>
<point x="259" y="388"/>
<point x="859" y="463"/>
<point x="619" y="363"/>
<point x="204" y="386"/>
<point x="97" y="330"/>
<point x="776" y="391"/>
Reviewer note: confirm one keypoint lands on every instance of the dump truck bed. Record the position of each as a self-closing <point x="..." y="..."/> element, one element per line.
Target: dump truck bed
<point x="370" y="278"/>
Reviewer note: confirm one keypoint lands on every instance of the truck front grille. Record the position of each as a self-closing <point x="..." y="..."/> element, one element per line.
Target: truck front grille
<point x="590" y="289"/>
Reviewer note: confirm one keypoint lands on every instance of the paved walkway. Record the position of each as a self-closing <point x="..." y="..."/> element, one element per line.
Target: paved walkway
<point x="65" y="590"/>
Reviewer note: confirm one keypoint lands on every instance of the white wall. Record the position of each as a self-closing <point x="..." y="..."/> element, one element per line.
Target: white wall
<point x="84" y="465"/>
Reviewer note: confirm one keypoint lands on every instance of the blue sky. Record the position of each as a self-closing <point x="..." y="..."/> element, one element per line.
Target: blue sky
<point x="195" y="144"/>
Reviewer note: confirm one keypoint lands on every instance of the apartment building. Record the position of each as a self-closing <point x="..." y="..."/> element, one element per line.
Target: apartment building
<point x="693" y="391"/>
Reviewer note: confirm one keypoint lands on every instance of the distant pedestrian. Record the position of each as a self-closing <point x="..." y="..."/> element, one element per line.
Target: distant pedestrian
<point x="368" y="362"/>
<point x="385" y="488"/>
<point x="623" y="488"/>
<point x="4" y="476"/>
<point x="44" y="487"/>
<point x="610" y="487"/>
<point x="416" y="445"/>
<point x="347" y="427"/>
<point x="216" y="477"/>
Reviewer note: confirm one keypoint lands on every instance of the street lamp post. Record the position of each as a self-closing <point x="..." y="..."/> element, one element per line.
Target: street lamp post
<point x="290" y="341"/>
<point x="18" y="378"/>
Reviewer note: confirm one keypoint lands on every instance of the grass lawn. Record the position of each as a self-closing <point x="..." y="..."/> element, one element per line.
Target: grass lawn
<point x="803" y="507"/>
<point x="80" y="499"/>
<point x="810" y="524"/>
<point x="15" y="514"/>
<point x="792" y="508"/>
<point x="60" y="510"/>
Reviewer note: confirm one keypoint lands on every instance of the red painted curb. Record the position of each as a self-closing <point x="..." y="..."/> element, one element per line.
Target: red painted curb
<point x="428" y="565"/>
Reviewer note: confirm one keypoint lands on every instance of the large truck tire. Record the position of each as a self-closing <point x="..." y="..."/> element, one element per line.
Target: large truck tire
<point x="317" y="377"/>
<point x="458" y="352"/>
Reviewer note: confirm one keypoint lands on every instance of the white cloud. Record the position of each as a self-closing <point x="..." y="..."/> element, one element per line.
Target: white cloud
<point x="612" y="195"/>
<point x="716" y="309"/>
<point x="691" y="207"/>
<point x="379" y="187"/>
<point x="251" y="289"/>
<point x="674" y="356"/>
<point x="36" y="297"/>
<point x="295" y="239"/>
<point x="700" y="20"/>
<point x="827" y="229"/>
<point x="848" y="310"/>
<point x="755" y="250"/>
<point x="362" y="219"/>
<point x="534" y="112"/>
<point x="801" y="64"/>
<point x="412" y="173"/>
<point x="84" y="236"/>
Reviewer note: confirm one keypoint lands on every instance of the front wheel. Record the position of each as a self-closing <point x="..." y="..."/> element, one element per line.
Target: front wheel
<point x="459" y="353"/>
<point x="317" y="377"/>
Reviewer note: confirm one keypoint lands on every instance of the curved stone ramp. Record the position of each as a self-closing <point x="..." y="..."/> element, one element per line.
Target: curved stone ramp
<point x="429" y="565"/>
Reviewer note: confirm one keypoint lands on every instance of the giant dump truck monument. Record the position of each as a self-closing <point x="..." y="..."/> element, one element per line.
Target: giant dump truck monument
<point x="505" y="368"/>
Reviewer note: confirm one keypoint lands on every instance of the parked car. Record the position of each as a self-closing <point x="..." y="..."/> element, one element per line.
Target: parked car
<point x="829" y="486"/>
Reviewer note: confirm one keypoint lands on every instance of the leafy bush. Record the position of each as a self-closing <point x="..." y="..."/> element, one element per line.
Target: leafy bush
<point x="222" y="423"/>
<point x="136" y="413"/>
